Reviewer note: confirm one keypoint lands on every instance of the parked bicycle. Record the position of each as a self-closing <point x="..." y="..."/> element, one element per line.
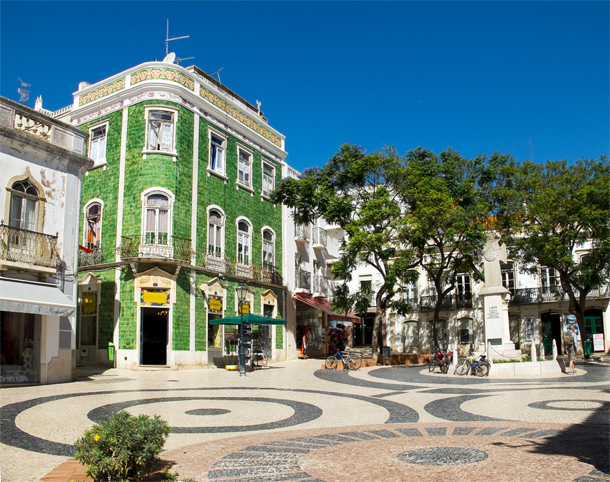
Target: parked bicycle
<point x="350" y="362"/>
<point x="441" y="359"/>
<point x="478" y="366"/>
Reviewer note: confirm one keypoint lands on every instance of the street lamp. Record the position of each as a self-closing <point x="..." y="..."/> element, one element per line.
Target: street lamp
<point x="242" y="291"/>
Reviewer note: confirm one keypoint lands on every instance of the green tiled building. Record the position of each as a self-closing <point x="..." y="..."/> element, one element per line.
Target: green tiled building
<point x="176" y="212"/>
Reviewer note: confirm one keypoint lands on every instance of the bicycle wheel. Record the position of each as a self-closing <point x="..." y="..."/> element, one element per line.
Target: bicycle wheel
<point x="432" y="365"/>
<point x="483" y="369"/>
<point x="331" y="362"/>
<point x="462" y="368"/>
<point x="353" y="363"/>
<point x="445" y="367"/>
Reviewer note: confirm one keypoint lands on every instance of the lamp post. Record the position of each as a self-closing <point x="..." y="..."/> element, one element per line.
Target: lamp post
<point x="242" y="291"/>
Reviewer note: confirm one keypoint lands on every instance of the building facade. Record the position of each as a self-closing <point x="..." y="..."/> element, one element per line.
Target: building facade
<point x="42" y="162"/>
<point x="534" y="304"/>
<point x="176" y="212"/>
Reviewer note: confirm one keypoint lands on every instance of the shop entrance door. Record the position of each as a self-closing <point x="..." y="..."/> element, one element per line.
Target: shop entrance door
<point x="551" y="330"/>
<point x="154" y="336"/>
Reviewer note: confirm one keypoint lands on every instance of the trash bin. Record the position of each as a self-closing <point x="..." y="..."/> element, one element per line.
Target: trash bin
<point x="587" y="346"/>
<point x="110" y="351"/>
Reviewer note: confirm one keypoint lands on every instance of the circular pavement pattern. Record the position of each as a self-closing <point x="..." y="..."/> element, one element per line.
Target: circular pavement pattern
<point x="443" y="456"/>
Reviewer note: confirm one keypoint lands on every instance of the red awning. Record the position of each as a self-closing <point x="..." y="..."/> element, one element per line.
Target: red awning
<point x="325" y="306"/>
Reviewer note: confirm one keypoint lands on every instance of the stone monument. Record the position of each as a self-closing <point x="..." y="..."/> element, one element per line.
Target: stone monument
<point x="495" y="299"/>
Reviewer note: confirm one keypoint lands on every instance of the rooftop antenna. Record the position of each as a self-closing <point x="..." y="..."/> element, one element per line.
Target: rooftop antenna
<point x="180" y="59"/>
<point x="24" y="92"/>
<point x="217" y="72"/>
<point x="167" y="39"/>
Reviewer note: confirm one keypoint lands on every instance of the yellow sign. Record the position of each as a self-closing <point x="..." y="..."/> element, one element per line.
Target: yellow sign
<point x="89" y="303"/>
<point x="154" y="298"/>
<point x="244" y="309"/>
<point x="215" y="304"/>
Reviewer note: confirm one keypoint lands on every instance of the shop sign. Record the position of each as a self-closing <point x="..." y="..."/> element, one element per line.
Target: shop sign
<point x="89" y="303"/>
<point x="215" y="304"/>
<point x="244" y="309"/>
<point x="154" y="297"/>
<point x="598" y="342"/>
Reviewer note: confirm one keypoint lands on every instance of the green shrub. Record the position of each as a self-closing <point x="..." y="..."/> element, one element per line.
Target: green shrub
<point x="123" y="448"/>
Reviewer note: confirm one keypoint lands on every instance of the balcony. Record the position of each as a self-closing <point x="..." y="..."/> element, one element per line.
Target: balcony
<point x="463" y="300"/>
<point x="23" y="249"/>
<point x="319" y="238"/>
<point x="97" y="256"/>
<point x="161" y="246"/>
<point x="320" y="286"/>
<point x="550" y="294"/>
<point x="428" y="303"/>
<point x="271" y="274"/>
<point x="302" y="233"/>
<point x="302" y="280"/>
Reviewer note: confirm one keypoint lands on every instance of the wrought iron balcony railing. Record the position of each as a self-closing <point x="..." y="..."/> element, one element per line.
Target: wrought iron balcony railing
<point x="27" y="247"/>
<point x="428" y="303"/>
<point x="550" y="294"/>
<point x="159" y="246"/>
<point x="319" y="237"/>
<point x="320" y="285"/>
<point x="302" y="280"/>
<point x="91" y="259"/>
<point x="271" y="274"/>
<point x="302" y="232"/>
<point x="463" y="301"/>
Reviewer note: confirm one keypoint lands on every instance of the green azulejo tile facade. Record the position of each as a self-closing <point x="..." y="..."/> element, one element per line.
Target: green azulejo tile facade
<point x="176" y="213"/>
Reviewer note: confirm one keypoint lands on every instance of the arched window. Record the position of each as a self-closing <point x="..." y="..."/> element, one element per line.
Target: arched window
<point x="93" y="226"/>
<point x="215" y="233"/>
<point x="24" y="203"/>
<point x="243" y="242"/>
<point x="268" y="248"/>
<point x="157" y="219"/>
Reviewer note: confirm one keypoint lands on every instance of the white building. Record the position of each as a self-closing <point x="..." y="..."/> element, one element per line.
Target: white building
<point x="42" y="161"/>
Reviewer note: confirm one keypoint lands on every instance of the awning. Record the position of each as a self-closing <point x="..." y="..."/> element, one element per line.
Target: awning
<point x="34" y="298"/>
<point x="248" y="318"/>
<point x="325" y="306"/>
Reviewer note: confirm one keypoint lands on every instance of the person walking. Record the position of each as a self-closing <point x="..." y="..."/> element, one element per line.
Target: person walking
<point x="570" y="343"/>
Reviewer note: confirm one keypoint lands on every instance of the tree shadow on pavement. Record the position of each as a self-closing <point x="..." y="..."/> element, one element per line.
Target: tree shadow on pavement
<point x="587" y="441"/>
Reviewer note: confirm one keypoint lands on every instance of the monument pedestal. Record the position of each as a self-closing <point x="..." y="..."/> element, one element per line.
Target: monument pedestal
<point x="496" y="321"/>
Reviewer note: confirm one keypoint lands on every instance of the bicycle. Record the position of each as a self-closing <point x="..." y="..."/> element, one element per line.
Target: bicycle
<point x="441" y="359"/>
<point x="479" y="367"/>
<point x="349" y="362"/>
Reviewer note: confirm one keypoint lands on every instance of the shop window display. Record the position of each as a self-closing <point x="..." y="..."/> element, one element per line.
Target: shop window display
<point x="20" y="351"/>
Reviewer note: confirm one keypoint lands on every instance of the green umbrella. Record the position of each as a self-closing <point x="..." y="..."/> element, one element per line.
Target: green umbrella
<point x="248" y="318"/>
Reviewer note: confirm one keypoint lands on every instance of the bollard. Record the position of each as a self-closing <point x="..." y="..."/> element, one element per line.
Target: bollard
<point x="542" y="352"/>
<point x="533" y="352"/>
<point x="489" y="357"/>
<point x="555" y="352"/>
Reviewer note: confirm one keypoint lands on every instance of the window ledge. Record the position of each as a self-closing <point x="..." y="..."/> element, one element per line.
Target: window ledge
<point x="245" y="187"/>
<point x="173" y="154"/>
<point x="217" y="174"/>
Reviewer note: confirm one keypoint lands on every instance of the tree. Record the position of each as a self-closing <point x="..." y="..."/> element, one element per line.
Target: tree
<point x="356" y="191"/>
<point x="565" y="207"/>
<point x="448" y="201"/>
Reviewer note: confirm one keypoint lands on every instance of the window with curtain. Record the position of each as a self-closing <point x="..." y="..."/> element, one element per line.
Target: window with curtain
<point x="268" y="248"/>
<point x="157" y="219"/>
<point x="97" y="150"/>
<point x="268" y="179"/>
<point x="243" y="243"/>
<point x="244" y="167"/>
<point x="161" y="131"/>
<point x="93" y="234"/>
<point x="215" y="227"/>
<point x="24" y="204"/>
<point x="217" y="153"/>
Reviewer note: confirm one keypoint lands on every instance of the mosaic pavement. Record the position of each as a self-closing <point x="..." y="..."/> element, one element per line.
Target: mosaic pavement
<point x="296" y="422"/>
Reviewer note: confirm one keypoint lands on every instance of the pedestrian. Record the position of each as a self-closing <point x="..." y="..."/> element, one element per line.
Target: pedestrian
<point x="570" y="344"/>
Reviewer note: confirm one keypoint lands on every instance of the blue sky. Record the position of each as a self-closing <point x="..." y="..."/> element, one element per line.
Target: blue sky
<point x="524" y="78"/>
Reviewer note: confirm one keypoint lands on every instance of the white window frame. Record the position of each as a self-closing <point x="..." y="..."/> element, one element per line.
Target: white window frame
<point x="267" y="193"/>
<point x="170" y="197"/>
<point x="28" y="204"/>
<point x="463" y="285"/>
<point x="509" y="275"/>
<point x="221" y="172"/>
<point x="86" y="222"/>
<point x="405" y="325"/>
<point x="148" y="111"/>
<point x="245" y="259"/>
<point x="99" y="160"/>
<point x="272" y="244"/>
<point x="244" y="173"/>
<point x="221" y="227"/>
